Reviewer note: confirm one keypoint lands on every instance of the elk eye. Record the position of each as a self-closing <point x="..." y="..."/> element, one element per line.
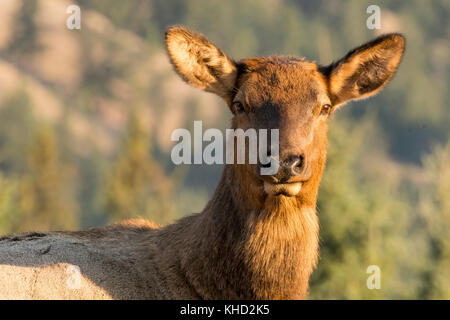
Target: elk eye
<point x="238" y="107"/>
<point x="326" y="109"/>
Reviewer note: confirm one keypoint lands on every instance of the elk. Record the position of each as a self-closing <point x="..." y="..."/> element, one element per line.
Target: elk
<point x="257" y="238"/>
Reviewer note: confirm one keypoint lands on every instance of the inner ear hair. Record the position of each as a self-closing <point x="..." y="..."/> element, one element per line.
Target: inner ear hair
<point x="366" y="69"/>
<point x="199" y="62"/>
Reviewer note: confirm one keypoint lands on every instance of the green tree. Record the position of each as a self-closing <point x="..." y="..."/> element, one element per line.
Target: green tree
<point x="16" y="131"/>
<point x="46" y="195"/>
<point x="8" y="205"/>
<point x="365" y="221"/>
<point x="435" y="208"/>
<point x="137" y="185"/>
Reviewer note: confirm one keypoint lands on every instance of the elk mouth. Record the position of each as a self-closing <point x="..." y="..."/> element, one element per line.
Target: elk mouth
<point x="286" y="189"/>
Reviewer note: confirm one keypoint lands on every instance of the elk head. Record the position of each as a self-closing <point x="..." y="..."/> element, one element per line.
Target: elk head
<point x="285" y="93"/>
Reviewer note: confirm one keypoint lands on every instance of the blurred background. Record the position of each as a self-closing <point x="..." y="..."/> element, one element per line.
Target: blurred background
<point x="86" y="117"/>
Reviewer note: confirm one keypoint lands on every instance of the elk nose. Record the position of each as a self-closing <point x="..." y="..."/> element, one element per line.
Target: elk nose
<point x="291" y="167"/>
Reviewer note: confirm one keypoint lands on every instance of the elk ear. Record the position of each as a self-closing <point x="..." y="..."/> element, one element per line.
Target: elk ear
<point x="199" y="62"/>
<point x="366" y="69"/>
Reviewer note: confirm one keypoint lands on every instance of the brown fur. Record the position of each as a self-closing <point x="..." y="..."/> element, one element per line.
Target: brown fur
<point x="246" y="243"/>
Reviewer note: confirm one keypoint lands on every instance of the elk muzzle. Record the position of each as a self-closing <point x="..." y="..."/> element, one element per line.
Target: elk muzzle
<point x="288" y="180"/>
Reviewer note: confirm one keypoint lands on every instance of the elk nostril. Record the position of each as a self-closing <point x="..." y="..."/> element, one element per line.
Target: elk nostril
<point x="297" y="165"/>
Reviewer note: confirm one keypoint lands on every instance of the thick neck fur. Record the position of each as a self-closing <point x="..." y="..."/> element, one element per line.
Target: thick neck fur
<point x="236" y="251"/>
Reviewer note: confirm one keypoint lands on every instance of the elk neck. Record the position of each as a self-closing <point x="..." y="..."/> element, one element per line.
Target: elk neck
<point x="239" y="248"/>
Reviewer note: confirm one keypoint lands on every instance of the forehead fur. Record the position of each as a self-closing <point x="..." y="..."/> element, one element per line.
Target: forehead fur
<point x="279" y="79"/>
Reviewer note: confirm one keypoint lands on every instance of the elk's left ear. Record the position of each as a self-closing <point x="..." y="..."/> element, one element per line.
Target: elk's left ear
<point x="199" y="62"/>
<point x="366" y="69"/>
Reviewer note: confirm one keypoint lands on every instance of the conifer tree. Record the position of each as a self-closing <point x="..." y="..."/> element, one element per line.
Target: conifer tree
<point x="136" y="185"/>
<point x="47" y="198"/>
<point x="435" y="208"/>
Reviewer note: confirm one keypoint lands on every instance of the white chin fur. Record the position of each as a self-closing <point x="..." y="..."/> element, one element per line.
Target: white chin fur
<point x="288" y="189"/>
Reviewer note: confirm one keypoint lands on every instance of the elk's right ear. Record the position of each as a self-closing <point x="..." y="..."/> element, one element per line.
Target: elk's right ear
<point x="200" y="63"/>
